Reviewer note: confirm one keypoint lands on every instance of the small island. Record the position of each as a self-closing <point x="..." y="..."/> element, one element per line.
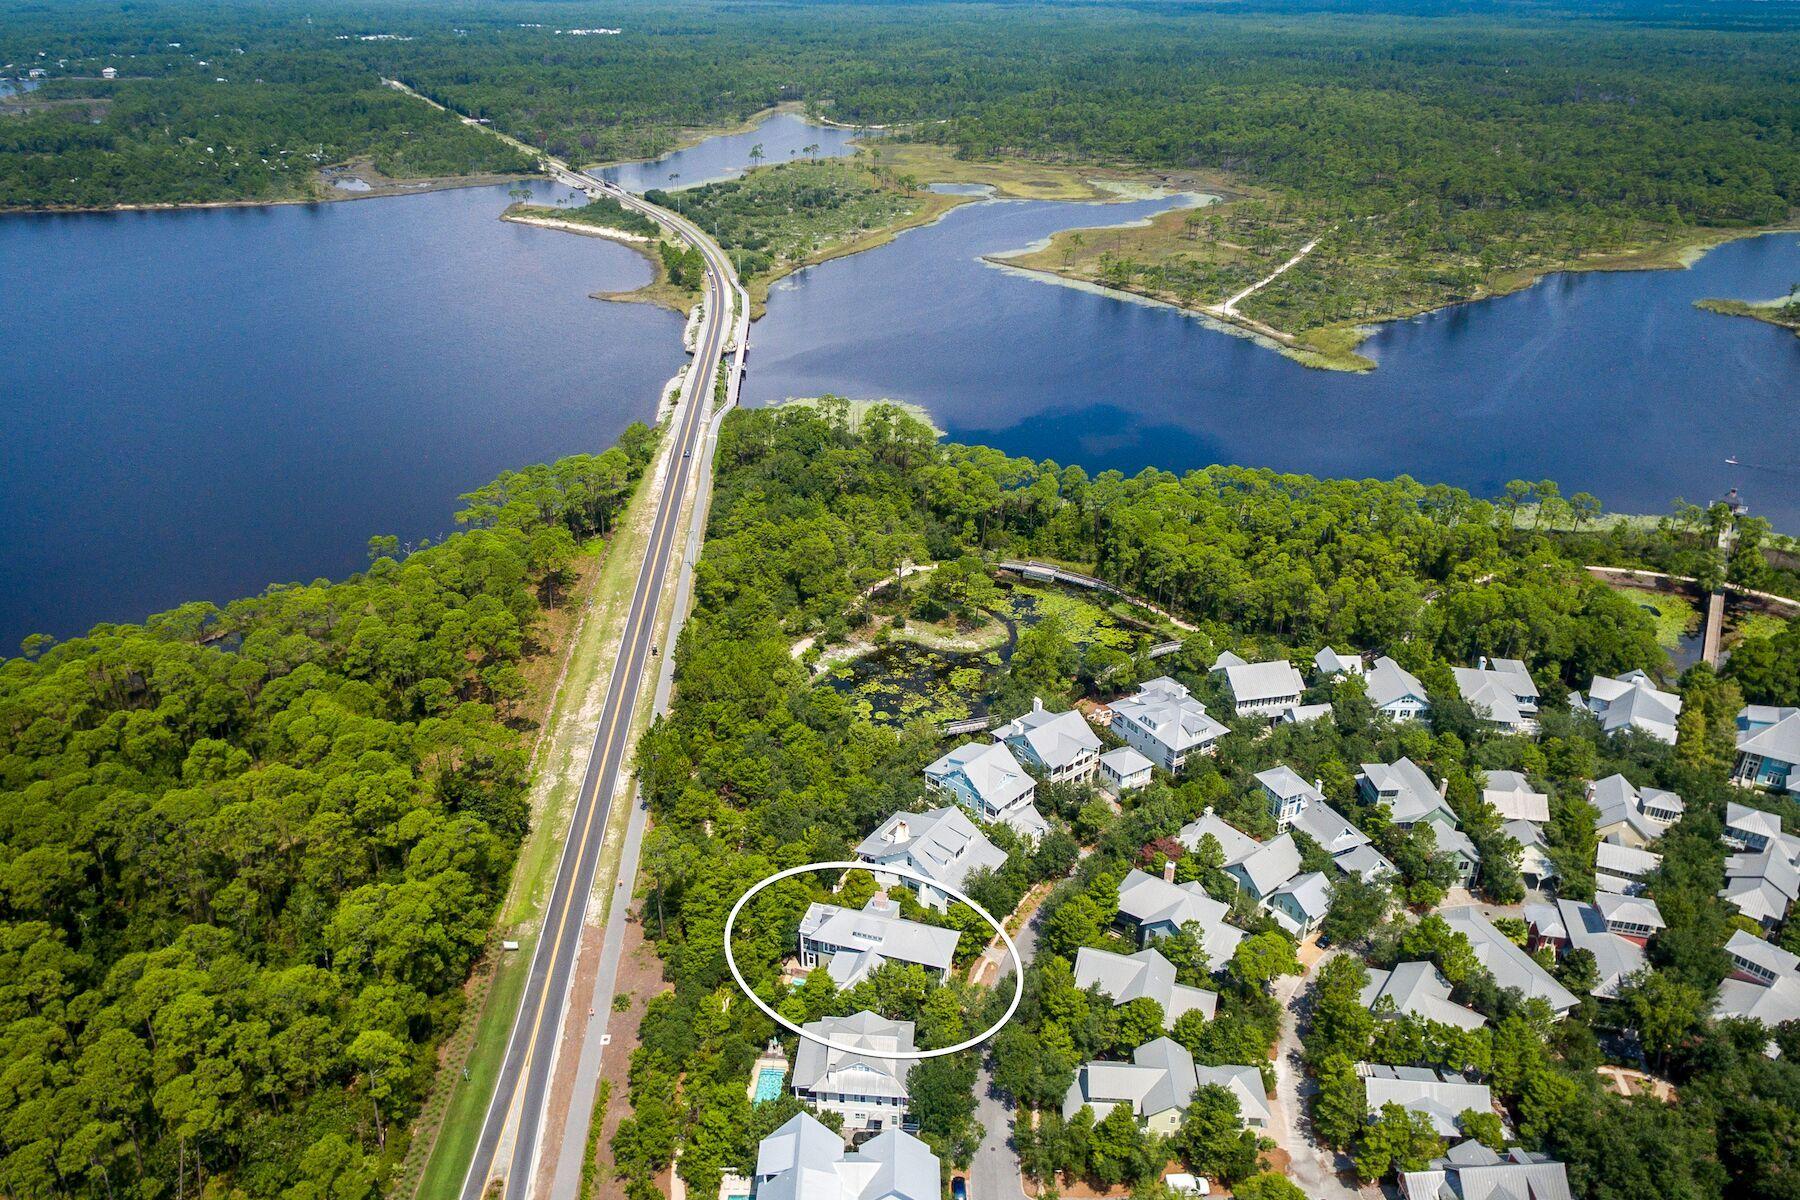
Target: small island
<point x="1783" y="311"/>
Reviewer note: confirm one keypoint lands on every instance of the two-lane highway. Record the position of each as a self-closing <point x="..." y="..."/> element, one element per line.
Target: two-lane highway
<point x="515" y="1114"/>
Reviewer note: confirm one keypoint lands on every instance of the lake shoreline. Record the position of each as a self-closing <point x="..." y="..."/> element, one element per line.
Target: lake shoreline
<point x="328" y="195"/>
<point x="1339" y="352"/>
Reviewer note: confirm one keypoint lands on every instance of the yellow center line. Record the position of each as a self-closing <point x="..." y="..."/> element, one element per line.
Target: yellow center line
<point x="659" y="551"/>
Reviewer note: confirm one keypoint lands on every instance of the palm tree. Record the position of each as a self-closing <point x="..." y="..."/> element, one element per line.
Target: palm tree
<point x="756" y="156"/>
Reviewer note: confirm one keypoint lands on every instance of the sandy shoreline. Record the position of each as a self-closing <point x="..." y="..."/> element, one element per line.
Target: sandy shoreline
<point x="581" y="227"/>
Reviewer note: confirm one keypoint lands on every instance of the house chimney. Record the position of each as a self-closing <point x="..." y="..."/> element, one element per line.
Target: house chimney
<point x="898" y="833"/>
<point x="1168" y="870"/>
<point x="1208" y="812"/>
<point x="1037" y="704"/>
<point x="1482" y="662"/>
<point x="1319" y="785"/>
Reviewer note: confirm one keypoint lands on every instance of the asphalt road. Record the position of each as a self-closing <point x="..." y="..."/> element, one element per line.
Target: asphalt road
<point x="994" y="1172"/>
<point x="524" y="1082"/>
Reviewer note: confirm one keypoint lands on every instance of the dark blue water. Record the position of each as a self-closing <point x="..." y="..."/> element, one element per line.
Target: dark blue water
<point x="1609" y="383"/>
<point x="196" y="404"/>
<point x="783" y="137"/>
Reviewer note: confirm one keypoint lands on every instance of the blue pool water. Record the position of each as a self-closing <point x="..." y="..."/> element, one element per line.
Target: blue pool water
<point x="768" y="1084"/>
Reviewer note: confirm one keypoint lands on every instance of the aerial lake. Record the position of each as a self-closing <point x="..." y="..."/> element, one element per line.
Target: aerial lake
<point x="195" y="404"/>
<point x="1609" y="383"/>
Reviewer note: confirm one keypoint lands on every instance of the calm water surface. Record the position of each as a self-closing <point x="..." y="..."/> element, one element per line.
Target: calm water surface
<point x="783" y="137"/>
<point x="195" y="404"/>
<point x="1609" y="383"/>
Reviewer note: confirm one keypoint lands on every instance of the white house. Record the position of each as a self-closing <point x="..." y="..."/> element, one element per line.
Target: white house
<point x="1763" y="884"/>
<point x="1768" y="748"/>
<point x="1623" y="869"/>
<point x="943" y="844"/>
<point x="1405" y="790"/>
<point x="109" y="72"/>
<point x="1152" y="907"/>
<point x="1764" y="984"/>
<point x="987" y="780"/>
<point x="1145" y="975"/>
<point x="1301" y="903"/>
<point x="1441" y="1097"/>
<point x="1396" y="692"/>
<point x="1512" y="797"/>
<point x="805" y="1160"/>
<point x="1287" y="794"/>
<point x="1124" y="769"/>
<point x="1629" y="815"/>
<point x="1510" y="966"/>
<point x="1163" y="722"/>
<point x="1417" y="989"/>
<point x="1631" y="701"/>
<point x="852" y="942"/>
<point x="1501" y="693"/>
<point x="1471" y="1171"/>
<point x="865" y="1086"/>
<point x="1330" y="662"/>
<point x="1264" y="687"/>
<point x="1058" y="743"/>
<point x="1234" y="844"/>
<point x="1159" y="1083"/>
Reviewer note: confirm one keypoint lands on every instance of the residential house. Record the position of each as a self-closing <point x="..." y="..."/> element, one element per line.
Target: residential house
<point x="805" y="1160"/>
<point x="1164" y="723"/>
<point x="1246" y="1086"/>
<point x="1123" y="978"/>
<point x="1159" y="1083"/>
<point x="109" y="72"/>
<point x="1764" y="984"/>
<point x="1226" y="660"/>
<point x="865" y="1085"/>
<point x="1300" y="714"/>
<point x="943" y="845"/>
<point x="1471" y="1171"/>
<point x="986" y="779"/>
<point x="1441" y="1097"/>
<point x="1234" y="844"/>
<point x="1534" y="853"/>
<point x="1618" y="949"/>
<point x="1623" y="869"/>
<point x="1418" y="990"/>
<point x="1635" y="918"/>
<point x="1631" y="701"/>
<point x="1456" y="844"/>
<point x="1124" y="769"/>
<point x="1405" y="790"/>
<point x="1396" y="692"/>
<point x="851" y="943"/>
<point x="1749" y="828"/>
<point x="1300" y="904"/>
<point x="1629" y="816"/>
<point x="1763" y="884"/>
<point x="1268" y="867"/>
<point x="1511" y="795"/>
<point x="1366" y="863"/>
<point x="1501" y="693"/>
<point x="1331" y="662"/>
<point x="1152" y="907"/>
<point x="1287" y="794"/>
<point x="1508" y="963"/>
<point x="1264" y="687"/>
<point x="1768" y="748"/>
<point x="1060" y="744"/>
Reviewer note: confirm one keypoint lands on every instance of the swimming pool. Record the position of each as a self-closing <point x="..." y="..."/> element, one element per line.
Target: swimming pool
<point x="768" y="1084"/>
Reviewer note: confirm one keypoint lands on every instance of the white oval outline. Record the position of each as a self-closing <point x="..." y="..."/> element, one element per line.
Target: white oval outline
<point x="903" y="873"/>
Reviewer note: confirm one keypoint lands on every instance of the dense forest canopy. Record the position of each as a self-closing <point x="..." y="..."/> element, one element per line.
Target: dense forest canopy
<point x="1518" y="108"/>
<point x="248" y="856"/>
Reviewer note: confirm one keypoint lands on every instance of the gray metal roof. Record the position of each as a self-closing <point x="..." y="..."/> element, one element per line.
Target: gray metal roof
<point x="1245" y="1083"/>
<point x="865" y="1072"/>
<point x="1388" y="683"/>
<point x="1511" y="795"/>
<point x="990" y="770"/>
<point x="1055" y="739"/>
<point x="1169" y="714"/>
<point x="1442" y="1098"/>
<point x="1780" y="741"/>
<point x="1271" y="866"/>
<point x="1144" y="975"/>
<point x="1507" y="962"/>
<point x="943" y="844"/>
<point x="1259" y="681"/>
<point x="1236" y="844"/>
<point x="1419" y="989"/>
<point x="1151" y="901"/>
<point x="805" y="1160"/>
<point x="1328" y="827"/>
<point x="1405" y="789"/>
<point x="878" y="929"/>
